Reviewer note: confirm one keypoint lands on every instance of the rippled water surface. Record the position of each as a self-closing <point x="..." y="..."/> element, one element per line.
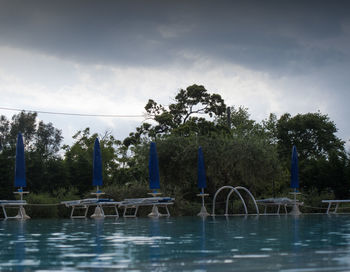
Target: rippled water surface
<point x="265" y="243"/>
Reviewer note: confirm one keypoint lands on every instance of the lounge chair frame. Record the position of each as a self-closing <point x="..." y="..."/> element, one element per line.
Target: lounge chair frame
<point x="278" y="202"/>
<point x="133" y="204"/>
<point x="15" y="204"/>
<point x="336" y="202"/>
<point x="85" y="204"/>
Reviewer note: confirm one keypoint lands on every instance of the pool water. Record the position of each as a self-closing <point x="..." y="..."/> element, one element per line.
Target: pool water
<point x="253" y="243"/>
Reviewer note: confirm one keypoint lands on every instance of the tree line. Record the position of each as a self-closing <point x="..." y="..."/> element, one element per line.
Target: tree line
<point x="237" y="151"/>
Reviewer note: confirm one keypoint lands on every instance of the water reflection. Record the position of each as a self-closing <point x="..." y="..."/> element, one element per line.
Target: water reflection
<point x="98" y="250"/>
<point x="20" y="246"/>
<point x="296" y="241"/>
<point x="265" y="243"/>
<point x="154" y="232"/>
<point x="203" y="256"/>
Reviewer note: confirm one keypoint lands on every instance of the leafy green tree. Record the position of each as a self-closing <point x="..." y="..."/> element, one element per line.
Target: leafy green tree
<point x="312" y="133"/>
<point x="239" y="154"/>
<point x="47" y="140"/>
<point x="338" y="180"/>
<point x="4" y="132"/>
<point x="244" y="161"/>
<point x="242" y="155"/>
<point x="6" y="159"/>
<point x="240" y="124"/>
<point x="270" y="128"/>
<point x="181" y="117"/>
<point x="42" y="143"/>
<point x="322" y="156"/>
<point x="326" y="175"/>
<point x="194" y="100"/>
<point x="78" y="159"/>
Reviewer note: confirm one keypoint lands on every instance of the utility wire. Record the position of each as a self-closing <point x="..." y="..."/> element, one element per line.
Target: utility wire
<point x="77" y="114"/>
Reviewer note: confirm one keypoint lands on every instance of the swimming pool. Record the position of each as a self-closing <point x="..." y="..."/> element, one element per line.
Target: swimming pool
<point x="253" y="243"/>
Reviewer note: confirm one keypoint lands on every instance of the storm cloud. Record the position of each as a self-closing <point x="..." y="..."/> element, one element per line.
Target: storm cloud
<point x="271" y="56"/>
<point x="274" y="35"/>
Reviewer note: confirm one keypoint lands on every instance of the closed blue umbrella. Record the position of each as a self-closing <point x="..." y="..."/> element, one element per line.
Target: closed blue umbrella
<point x="201" y="182"/>
<point x="97" y="165"/>
<point x="294" y="181"/>
<point x="97" y="178"/>
<point x="20" y="168"/>
<point x="153" y="168"/>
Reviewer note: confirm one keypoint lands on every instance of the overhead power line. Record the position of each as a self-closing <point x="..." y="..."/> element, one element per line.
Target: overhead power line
<point x="77" y="114"/>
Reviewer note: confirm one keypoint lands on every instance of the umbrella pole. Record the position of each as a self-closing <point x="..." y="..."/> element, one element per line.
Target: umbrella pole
<point x="203" y="211"/>
<point x="155" y="212"/>
<point x="98" y="213"/>
<point x="295" y="209"/>
<point x="202" y="197"/>
<point x="21" y="211"/>
<point x="295" y="196"/>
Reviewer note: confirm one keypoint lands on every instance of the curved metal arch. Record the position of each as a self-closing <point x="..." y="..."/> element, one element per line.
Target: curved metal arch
<point x="232" y="189"/>
<point x="217" y="192"/>
<point x="240" y="196"/>
<point x="251" y="196"/>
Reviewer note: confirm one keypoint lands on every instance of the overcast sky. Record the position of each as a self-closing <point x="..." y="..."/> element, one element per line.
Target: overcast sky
<point x="110" y="57"/>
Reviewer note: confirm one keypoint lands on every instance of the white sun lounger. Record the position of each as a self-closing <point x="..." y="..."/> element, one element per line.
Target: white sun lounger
<point x="135" y="203"/>
<point x="277" y="202"/>
<point x="336" y="202"/>
<point x="85" y="204"/>
<point x="17" y="204"/>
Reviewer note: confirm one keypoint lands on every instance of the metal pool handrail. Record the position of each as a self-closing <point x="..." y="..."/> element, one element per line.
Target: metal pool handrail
<point x="240" y="196"/>
<point x="248" y="192"/>
<point x="234" y="189"/>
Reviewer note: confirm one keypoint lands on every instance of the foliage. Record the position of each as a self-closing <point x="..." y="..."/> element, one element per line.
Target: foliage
<point x="313" y="199"/>
<point x="7" y="171"/>
<point x="229" y="161"/>
<point x="244" y="162"/>
<point x="237" y="151"/>
<point x="239" y="123"/>
<point x="78" y="159"/>
<point x="312" y="133"/>
<point x="47" y="140"/>
<point x="322" y="158"/>
<point x="42" y="143"/>
<point x="182" y="116"/>
<point x="42" y="206"/>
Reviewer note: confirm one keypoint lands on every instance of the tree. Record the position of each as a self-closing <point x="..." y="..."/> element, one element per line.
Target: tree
<point x="24" y="122"/>
<point x="42" y="143"/>
<point x="47" y="140"/>
<point x="312" y="133"/>
<point x="182" y="117"/>
<point x="322" y="157"/>
<point x="78" y="159"/>
<point x="240" y="155"/>
<point x="4" y="132"/>
<point x="326" y="175"/>
<point x="243" y="161"/>
<point x="240" y="124"/>
<point x="270" y="128"/>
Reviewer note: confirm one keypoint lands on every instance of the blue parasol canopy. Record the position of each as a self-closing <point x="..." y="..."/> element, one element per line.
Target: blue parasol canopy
<point x="20" y="167"/>
<point x="294" y="181"/>
<point x="97" y="165"/>
<point x="202" y="183"/>
<point x="153" y="167"/>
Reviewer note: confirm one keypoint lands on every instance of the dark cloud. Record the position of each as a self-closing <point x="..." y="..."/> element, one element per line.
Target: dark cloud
<point x="268" y="35"/>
